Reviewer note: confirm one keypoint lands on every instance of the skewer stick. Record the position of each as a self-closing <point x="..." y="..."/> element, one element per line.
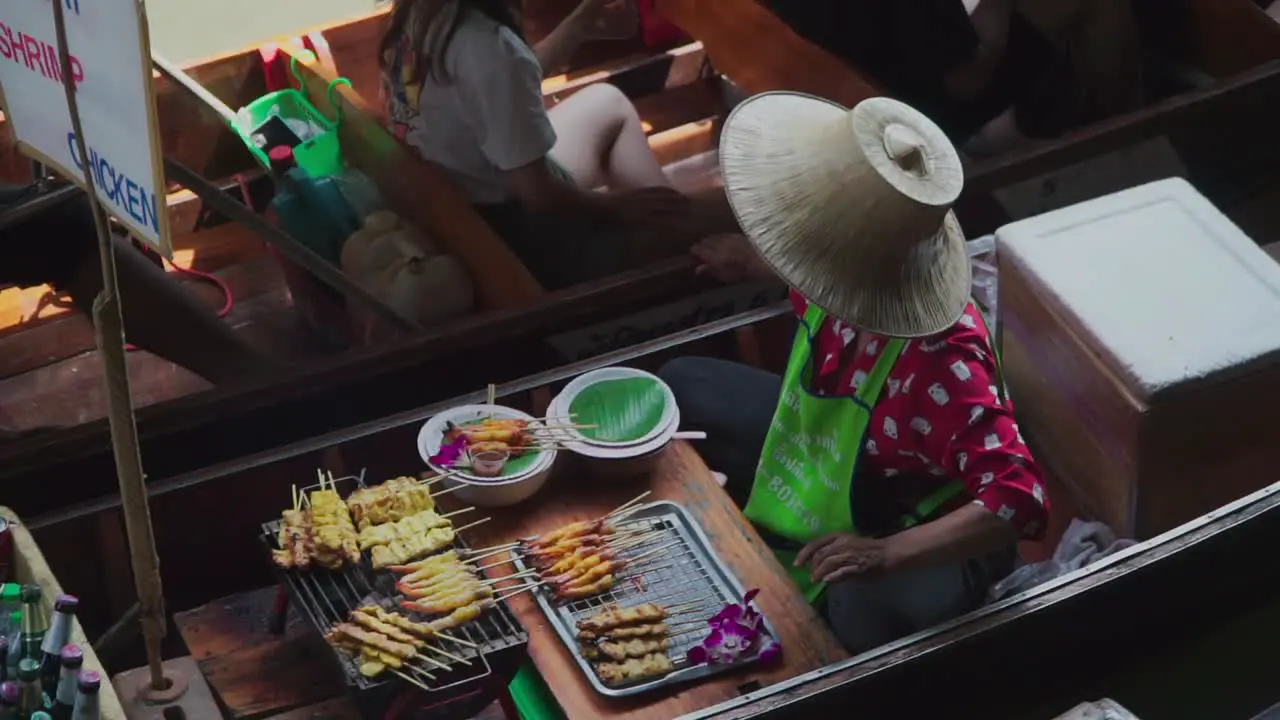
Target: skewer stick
<point x="517" y="591"/>
<point x="491" y="394"/>
<point x="458" y="512"/>
<point x="468" y="526"/>
<point x="455" y="639"/>
<point x="433" y="661"/>
<point x="626" y="505"/>
<point x="516" y="576"/>
<point x="446" y="491"/>
<point x="296" y="502"/>
<point x="429" y="481"/>
<point x="413" y="680"/>
<point x="496" y="564"/>
<point x="451" y="656"/>
<point x="635" y="540"/>
<point x="491" y="552"/>
<point x="660" y="548"/>
<point x="687" y="602"/>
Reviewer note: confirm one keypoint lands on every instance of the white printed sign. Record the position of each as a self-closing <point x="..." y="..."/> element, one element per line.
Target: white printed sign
<point x="111" y="66"/>
<point x="1138" y="164"/>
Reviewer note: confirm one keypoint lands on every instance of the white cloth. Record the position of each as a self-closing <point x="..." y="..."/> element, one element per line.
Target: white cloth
<point x="1082" y="544"/>
<point x="487" y="119"/>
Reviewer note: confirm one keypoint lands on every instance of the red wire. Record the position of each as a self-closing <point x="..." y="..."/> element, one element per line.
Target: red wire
<point x="228" y="300"/>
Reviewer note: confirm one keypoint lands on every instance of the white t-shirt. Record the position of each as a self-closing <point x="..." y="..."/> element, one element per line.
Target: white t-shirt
<point x="487" y="120"/>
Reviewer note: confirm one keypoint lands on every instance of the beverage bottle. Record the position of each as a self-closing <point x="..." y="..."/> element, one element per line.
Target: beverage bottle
<point x="59" y="634"/>
<point x="30" y="696"/>
<point x="15" y="645"/>
<point x="9" y="695"/>
<point x="312" y="210"/>
<point x="4" y="658"/>
<point x="34" y="623"/>
<point x="10" y="600"/>
<point x="86" y="707"/>
<point x="64" y="700"/>
<point x="41" y="715"/>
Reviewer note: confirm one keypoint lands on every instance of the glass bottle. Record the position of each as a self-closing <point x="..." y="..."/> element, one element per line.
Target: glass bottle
<point x="30" y="696"/>
<point x="87" y="696"/>
<point x="59" y="634"/>
<point x="9" y="695"/>
<point x="64" y="701"/>
<point x="34" y="623"/>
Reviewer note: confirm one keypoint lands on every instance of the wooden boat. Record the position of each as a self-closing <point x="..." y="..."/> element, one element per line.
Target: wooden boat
<point x="1084" y="634"/>
<point x="753" y="49"/>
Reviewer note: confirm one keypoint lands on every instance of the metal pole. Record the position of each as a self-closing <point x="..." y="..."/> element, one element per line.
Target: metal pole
<point x="124" y="432"/>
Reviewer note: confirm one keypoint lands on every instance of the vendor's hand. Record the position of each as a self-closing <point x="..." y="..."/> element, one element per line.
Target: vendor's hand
<point x="840" y="556"/>
<point x="729" y="258"/>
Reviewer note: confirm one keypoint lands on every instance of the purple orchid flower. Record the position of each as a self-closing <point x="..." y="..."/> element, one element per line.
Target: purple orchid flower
<point x="737" y="633"/>
<point x="450" y="452"/>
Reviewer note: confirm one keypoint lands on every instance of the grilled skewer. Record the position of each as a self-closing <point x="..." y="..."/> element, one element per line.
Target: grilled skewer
<point x="634" y="669"/>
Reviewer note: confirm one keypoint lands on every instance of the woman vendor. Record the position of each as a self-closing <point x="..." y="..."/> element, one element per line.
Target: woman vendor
<point x="885" y="466"/>
<point x="465" y="90"/>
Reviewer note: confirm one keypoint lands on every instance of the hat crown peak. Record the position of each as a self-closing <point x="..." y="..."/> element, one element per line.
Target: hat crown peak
<point x="907" y="149"/>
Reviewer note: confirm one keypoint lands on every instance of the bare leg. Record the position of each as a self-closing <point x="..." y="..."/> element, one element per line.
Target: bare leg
<point x="163" y="318"/>
<point x="601" y="141"/>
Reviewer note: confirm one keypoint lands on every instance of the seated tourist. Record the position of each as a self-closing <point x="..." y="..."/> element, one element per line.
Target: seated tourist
<point x="59" y="247"/>
<point x="884" y="467"/>
<point x="464" y="89"/>
<point x="991" y="72"/>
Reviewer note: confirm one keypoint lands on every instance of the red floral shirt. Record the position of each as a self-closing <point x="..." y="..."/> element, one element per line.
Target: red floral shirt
<point x="940" y="414"/>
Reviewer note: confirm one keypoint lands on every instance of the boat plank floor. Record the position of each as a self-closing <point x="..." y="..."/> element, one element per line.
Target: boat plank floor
<point x="681" y="477"/>
<point x="254" y="672"/>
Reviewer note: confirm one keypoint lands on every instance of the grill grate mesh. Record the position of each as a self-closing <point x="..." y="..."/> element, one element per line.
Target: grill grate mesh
<point x="327" y="598"/>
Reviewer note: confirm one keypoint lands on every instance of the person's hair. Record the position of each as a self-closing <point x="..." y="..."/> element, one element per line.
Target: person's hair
<point x="418" y="20"/>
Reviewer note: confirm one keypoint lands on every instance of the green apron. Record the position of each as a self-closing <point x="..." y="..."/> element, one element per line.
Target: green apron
<point x="804" y="481"/>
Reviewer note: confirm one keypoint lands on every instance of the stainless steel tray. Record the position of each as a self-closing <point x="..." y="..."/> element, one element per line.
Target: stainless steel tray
<point x="688" y="570"/>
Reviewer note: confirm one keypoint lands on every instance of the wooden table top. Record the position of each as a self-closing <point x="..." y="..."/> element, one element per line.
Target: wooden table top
<point x="680" y="477"/>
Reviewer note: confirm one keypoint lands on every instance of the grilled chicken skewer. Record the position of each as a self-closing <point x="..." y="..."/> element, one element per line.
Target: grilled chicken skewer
<point x="615" y="617"/>
<point x="634" y="669"/>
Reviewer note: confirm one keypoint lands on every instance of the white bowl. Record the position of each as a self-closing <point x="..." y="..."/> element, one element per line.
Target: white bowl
<point x="498" y="492"/>
<point x="558" y="407"/>
<point x="432" y="432"/>
<point x="580" y="383"/>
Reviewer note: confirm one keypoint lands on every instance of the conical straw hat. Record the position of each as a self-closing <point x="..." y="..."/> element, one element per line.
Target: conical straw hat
<point x="852" y="207"/>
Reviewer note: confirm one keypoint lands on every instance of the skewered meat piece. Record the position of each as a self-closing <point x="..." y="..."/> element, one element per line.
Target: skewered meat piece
<point x="564" y="532"/>
<point x="620" y="650"/>
<point x="407" y="527"/>
<point x="585" y="591"/>
<point x="377" y="641"/>
<point x="403" y="550"/>
<point x="375" y="624"/>
<point x="634" y="669"/>
<point x="508" y="431"/>
<point x="454" y="600"/>
<point x="623" y="633"/>
<point x="614" y="617"/>
<point x="294" y="540"/>
<point x="332" y="532"/>
<point x="391" y="501"/>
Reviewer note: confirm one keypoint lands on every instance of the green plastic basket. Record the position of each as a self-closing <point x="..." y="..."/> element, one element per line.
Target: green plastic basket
<point x="321" y="155"/>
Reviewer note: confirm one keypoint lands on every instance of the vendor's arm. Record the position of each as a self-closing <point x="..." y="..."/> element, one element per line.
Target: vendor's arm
<point x="557" y="48"/>
<point x="973" y="437"/>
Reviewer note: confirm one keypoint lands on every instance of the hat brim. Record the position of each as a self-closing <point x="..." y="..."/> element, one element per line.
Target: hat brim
<point x="933" y="286"/>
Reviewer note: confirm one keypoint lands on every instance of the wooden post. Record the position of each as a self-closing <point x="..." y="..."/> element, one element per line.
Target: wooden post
<point x="109" y="323"/>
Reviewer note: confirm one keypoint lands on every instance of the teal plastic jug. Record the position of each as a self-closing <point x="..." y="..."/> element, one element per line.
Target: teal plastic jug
<point x="312" y="210"/>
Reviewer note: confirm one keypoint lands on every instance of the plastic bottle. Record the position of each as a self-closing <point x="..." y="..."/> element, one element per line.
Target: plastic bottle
<point x="312" y="210"/>
<point x="15" y="644"/>
<point x="87" y="703"/>
<point x="360" y="192"/>
<point x="10" y="600"/>
<point x="34" y="623"/>
<point x="31" y="697"/>
<point x="64" y="693"/>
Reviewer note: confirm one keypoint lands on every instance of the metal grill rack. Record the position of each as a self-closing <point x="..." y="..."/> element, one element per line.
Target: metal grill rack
<point x="687" y="573"/>
<point x="328" y="597"/>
